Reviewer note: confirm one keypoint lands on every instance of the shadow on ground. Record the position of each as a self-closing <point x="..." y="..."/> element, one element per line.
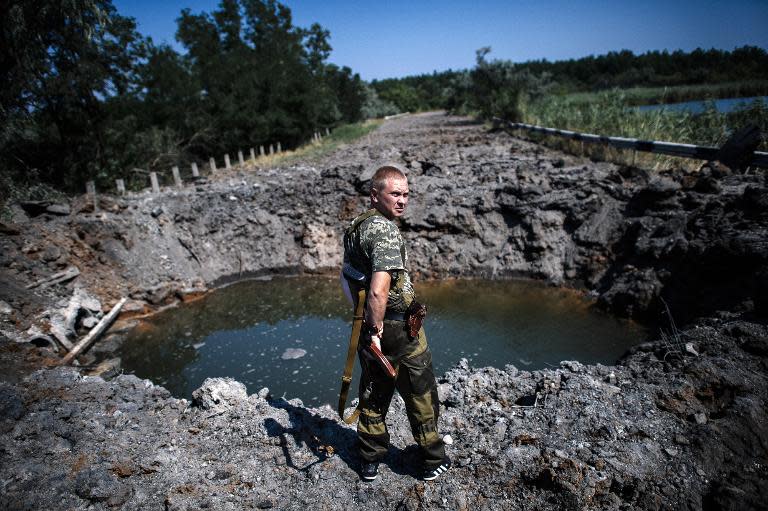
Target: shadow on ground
<point x="326" y="437"/>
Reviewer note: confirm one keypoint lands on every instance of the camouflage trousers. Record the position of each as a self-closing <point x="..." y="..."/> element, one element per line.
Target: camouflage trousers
<point x="415" y="382"/>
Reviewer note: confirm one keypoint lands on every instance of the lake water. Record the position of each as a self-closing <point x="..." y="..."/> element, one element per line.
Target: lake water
<point x="696" y="107"/>
<point x="251" y="330"/>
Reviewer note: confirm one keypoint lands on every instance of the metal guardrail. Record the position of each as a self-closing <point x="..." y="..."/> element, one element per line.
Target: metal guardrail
<point x="759" y="159"/>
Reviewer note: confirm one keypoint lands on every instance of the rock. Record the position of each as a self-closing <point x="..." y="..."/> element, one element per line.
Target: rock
<point x="755" y="199"/>
<point x="90" y="303"/>
<point x="89" y="322"/>
<point x="663" y="186"/>
<point x="707" y="184"/>
<point x="58" y="209"/>
<point x="756" y="346"/>
<point x="51" y="253"/>
<point x="219" y="394"/>
<point x="10" y="229"/>
<point x="293" y="353"/>
<point x="11" y="404"/>
<point x="188" y="294"/>
<point x="444" y="392"/>
<point x="134" y="308"/>
<point x="572" y="365"/>
<point x="106" y="368"/>
<point x="160" y="294"/>
<point x="156" y="212"/>
<point x="99" y="485"/>
<point x="5" y="308"/>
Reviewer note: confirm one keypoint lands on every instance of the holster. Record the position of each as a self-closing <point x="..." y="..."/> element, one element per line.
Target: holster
<point x="414" y="318"/>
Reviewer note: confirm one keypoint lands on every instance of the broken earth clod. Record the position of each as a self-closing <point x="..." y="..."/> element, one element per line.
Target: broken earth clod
<point x="94" y="334"/>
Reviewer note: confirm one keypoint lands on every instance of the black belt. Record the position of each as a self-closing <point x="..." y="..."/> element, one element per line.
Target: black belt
<point x="394" y="316"/>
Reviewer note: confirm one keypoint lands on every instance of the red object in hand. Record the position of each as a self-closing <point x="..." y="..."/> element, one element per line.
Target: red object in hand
<point x="374" y="353"/>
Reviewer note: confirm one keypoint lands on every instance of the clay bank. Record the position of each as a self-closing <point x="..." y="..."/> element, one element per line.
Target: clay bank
<point x="677" y="424"/>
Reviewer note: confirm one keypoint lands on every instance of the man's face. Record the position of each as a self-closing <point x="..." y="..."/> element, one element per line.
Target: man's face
<point x="392" y="199"/>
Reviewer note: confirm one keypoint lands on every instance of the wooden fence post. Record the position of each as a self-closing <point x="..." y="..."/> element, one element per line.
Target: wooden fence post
<point x="327" y="132"/>
<point x="279" y="147"/>
<point x="155" y="184"/>
<point x="253" y="154"/>
<point x="240" y="159"/>
<point x="227" y="164"/>
<point x="90" y="189"/>
<point x="271" y="149"/>
<point x="212" y="163"/>
<point x="177" y="177"/>
<point x="195" y="170"/>
<point x="120" y="186"/>
<point x="261" y="150"/>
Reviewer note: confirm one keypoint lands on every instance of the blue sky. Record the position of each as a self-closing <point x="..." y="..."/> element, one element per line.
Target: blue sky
<point x="398" y="38"/>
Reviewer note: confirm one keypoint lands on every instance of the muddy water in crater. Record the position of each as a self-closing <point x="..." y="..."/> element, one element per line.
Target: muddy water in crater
<point x="291" y="334"/>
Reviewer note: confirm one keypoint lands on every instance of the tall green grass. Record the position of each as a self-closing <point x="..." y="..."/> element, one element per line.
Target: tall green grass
<point x="681" y="93"/>
<point x="611" y="114"/>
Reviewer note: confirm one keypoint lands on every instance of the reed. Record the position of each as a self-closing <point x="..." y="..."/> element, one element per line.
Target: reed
<point x="680" y="93"/>
<point x="611" y="114"/>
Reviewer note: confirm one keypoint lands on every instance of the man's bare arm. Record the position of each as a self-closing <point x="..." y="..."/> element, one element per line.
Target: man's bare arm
<point x="377" y="299"/>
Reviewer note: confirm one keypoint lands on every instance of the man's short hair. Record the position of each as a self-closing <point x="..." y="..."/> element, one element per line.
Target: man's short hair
<point x="385" y="172"/>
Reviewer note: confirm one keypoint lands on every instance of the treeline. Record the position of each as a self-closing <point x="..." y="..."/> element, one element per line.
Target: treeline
<point x="743" y="71"/>
<point x="654" y="68"/>
<point x="85" y="96"/>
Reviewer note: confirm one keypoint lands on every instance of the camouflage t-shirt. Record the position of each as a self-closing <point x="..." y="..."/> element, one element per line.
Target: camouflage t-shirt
<point x="376" y="245"/>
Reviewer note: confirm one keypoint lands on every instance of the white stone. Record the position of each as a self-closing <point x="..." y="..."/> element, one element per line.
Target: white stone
<point x="293" y="353"/>
<point x="219" y="393"/>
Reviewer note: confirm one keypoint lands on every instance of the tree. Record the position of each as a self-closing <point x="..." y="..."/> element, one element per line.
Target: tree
<point x="61" y="64"/>
<point x="500" y="89"/>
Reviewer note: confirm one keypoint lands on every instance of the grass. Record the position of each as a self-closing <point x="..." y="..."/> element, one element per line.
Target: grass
<point x="673" y="340"/>
<point x="29" y="189"/>
<point x="611" y="114"/>
<point x="344" y="134"/>
<point x="680" y="93"/>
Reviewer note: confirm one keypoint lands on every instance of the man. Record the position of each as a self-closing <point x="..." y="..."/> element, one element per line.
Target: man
<point x="374" y="247"/>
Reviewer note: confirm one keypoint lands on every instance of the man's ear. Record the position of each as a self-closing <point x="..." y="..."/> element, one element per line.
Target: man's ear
<point x="374" y="195"/>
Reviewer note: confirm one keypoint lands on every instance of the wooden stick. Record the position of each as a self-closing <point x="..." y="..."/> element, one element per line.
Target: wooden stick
<point x="68" y="274"/>
<point x="99" y="329"/>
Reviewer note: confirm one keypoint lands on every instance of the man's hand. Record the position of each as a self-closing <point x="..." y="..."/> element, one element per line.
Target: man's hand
<point x="376" y="339"/>
<point x="372" y="351"/>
